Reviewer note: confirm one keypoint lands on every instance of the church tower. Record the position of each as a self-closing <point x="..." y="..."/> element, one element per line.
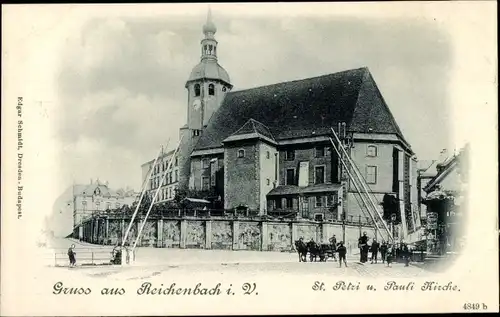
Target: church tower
<point x="207" y="86"/>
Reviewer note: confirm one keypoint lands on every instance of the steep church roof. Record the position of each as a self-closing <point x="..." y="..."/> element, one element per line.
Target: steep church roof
<point x="305" y="107"/>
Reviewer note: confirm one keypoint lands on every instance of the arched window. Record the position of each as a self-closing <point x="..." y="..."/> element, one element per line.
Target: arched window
<point x="211" y="90"/>
<point x="371" y="150"/>
<point x="197" y="90"/>
<point x="210" y="49"/>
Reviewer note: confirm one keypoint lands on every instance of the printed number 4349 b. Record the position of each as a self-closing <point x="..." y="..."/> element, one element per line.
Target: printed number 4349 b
<point x="475" y="306"/>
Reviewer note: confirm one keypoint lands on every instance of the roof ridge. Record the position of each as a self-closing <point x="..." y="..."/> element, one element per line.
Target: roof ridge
<point x="242" y="126"/>
<point x="253" y="126"/>
<point x="365" y="68"/>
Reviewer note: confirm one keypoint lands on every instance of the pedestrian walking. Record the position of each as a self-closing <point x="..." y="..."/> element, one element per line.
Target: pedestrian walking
<point x="72" y="255"/>
<point x="383" y="251"/>
<point x="374" y="248"/>
<point x="342" y="253"/>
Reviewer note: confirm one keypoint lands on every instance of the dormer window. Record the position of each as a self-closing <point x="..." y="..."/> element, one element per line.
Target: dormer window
<point x="197" y="90"/>
<point x="211" y="90"/>
<point x="241" y="153"/>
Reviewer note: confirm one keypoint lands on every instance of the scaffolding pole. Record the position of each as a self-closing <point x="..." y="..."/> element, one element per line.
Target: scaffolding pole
<point x="355" y="185"/>
<point x="365" y="187"/>
<point x="150" y="173"/>
<point x="155" y="195"/>
<point x="357" y="173"/>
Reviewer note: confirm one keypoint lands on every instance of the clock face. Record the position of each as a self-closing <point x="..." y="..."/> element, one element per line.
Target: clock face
<point x="196" y="105"/>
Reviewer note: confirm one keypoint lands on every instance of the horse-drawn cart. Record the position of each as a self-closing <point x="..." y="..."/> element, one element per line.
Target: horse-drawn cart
<point x="321" y="252"/>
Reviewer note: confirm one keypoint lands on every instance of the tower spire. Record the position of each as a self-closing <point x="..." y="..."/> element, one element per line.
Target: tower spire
<point x="209" y="44"/>
<point x="209" y="28"/>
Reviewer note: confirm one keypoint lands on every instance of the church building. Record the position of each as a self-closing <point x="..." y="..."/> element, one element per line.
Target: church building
<point x="268" y="149"/>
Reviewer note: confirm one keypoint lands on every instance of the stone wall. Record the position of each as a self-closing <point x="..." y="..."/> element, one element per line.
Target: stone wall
<point x="220" y="233"/>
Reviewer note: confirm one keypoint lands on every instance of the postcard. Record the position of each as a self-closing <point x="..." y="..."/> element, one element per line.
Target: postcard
<point x="249" y="158"/>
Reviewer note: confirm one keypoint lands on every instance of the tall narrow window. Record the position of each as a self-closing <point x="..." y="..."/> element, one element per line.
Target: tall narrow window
<point x="395" y="170"/>
<point x="205" y="183"/>
<point x="278" y="203"/>
<point x="290" y="155"/>
<point x="206" y="163"/>
<point x="320" y="151"/>
<point x="211" y="90"/>
<point x="289" y="203"/>
<point x="290" y="176"/>
<point x="371" y="174"/>
<point x="319" y="174"/>
<point x="330" y="200"/>
<point x="176" y="161"/>
<point x="197" y="90"/>
<point x="371" y="150"/>
<point x="319" y="201"/>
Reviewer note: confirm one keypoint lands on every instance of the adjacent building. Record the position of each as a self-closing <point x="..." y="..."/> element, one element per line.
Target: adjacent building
<point x="81" y="201"/>
<point x="157" y="178"/>
<point x="446" y="201"/>
<point x="268" y="149"/>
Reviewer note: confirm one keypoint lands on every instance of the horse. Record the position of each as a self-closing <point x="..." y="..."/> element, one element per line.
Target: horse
<point x="301" y="248"/>
<point x="315" y="251"/>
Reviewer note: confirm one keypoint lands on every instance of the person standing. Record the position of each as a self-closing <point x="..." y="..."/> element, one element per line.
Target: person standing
<point x="333" y="243"/>
<point x="406" y="254"/>
<point x="374" y="249"/>
<point x="363" y="248"/>
<point x="383" y="251"/>
<point x="390" y="255"/>
<point x="342" y="254"/>
<point x="72" y="255"/>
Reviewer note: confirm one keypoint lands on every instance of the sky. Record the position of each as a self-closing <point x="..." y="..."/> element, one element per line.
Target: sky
<point x="120" y="80"/>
